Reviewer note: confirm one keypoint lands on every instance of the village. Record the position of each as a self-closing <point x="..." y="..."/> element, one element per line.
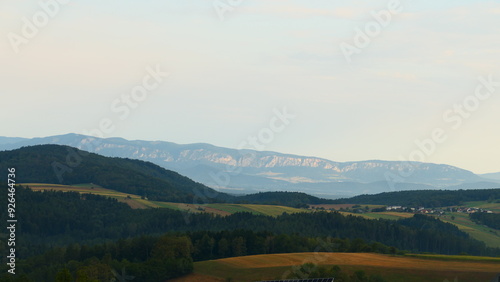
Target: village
<point x="439" y="211"/>
<point x="420" y="210"/>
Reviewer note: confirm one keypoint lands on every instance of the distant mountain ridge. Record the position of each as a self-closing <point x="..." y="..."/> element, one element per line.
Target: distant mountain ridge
<point x="61" y="164"/>
<point x="249" y="171"/>
<point x="11" y="140"/>
<point x="494" y="176"/>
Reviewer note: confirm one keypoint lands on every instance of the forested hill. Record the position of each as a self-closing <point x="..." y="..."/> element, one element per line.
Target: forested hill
<point x="58" y="164"/>
<point x="424" y="198"/>
<point x="295" y="199"/>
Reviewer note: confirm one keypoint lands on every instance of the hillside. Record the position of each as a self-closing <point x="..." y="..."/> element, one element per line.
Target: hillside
<point x="66" y="165"/>
<point x="135" y="201"/>
<point x="265" y="171"/>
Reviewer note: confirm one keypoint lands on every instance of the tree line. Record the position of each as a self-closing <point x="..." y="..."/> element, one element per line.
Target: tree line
<point x="491" y="220"/>
<point x="424" y="198"/>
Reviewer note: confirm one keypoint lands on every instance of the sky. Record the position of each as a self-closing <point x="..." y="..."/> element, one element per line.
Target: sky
<point x="342" y="80"/>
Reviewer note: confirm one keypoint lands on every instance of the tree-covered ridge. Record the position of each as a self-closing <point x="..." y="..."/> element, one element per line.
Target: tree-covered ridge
<point x="58" y="164"/>
<point x="293" y="199"/>
<point x="424" y="198"/>
<point x="66" y="165"/>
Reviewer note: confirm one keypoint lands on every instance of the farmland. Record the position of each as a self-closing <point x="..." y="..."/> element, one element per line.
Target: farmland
<point x="380" y="215"/>
<point x="134" y="201"/>
<point x="480" y="232"/>
<point x="392" y="268"/>
<point x="343" y="206"/>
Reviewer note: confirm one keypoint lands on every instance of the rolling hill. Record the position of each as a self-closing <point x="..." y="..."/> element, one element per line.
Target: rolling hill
<point x="391" y="268"/>
<point x="65" y="165"/>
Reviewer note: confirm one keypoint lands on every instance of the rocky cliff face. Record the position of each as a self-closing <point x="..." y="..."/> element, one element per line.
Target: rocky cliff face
<point x="174" y="153"/>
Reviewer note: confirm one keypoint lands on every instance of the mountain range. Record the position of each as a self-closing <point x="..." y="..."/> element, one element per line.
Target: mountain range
<point x="248" y="171"/>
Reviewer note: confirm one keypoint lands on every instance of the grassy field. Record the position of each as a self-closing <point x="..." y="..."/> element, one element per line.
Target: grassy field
<point x="364" y="215"/>
<point x="490" y="236"/>
<point x="392" y="268"/>
<point x="483" y="233"/>
<point x="227" y="209"/>
<point x="389" y="215"/>
<point x="383" y="215"/>
<point x="480" y="232"/>
<point x="231" y="208"/>
<point x="455" y="258"/>
<point x="344" y="206"/>
<point x="272" y="210"/>
<point x="132" y="200"/>
<point x="81" y="188"/>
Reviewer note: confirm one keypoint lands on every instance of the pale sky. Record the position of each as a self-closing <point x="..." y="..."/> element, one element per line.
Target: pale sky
<point x="231" y="67"/>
